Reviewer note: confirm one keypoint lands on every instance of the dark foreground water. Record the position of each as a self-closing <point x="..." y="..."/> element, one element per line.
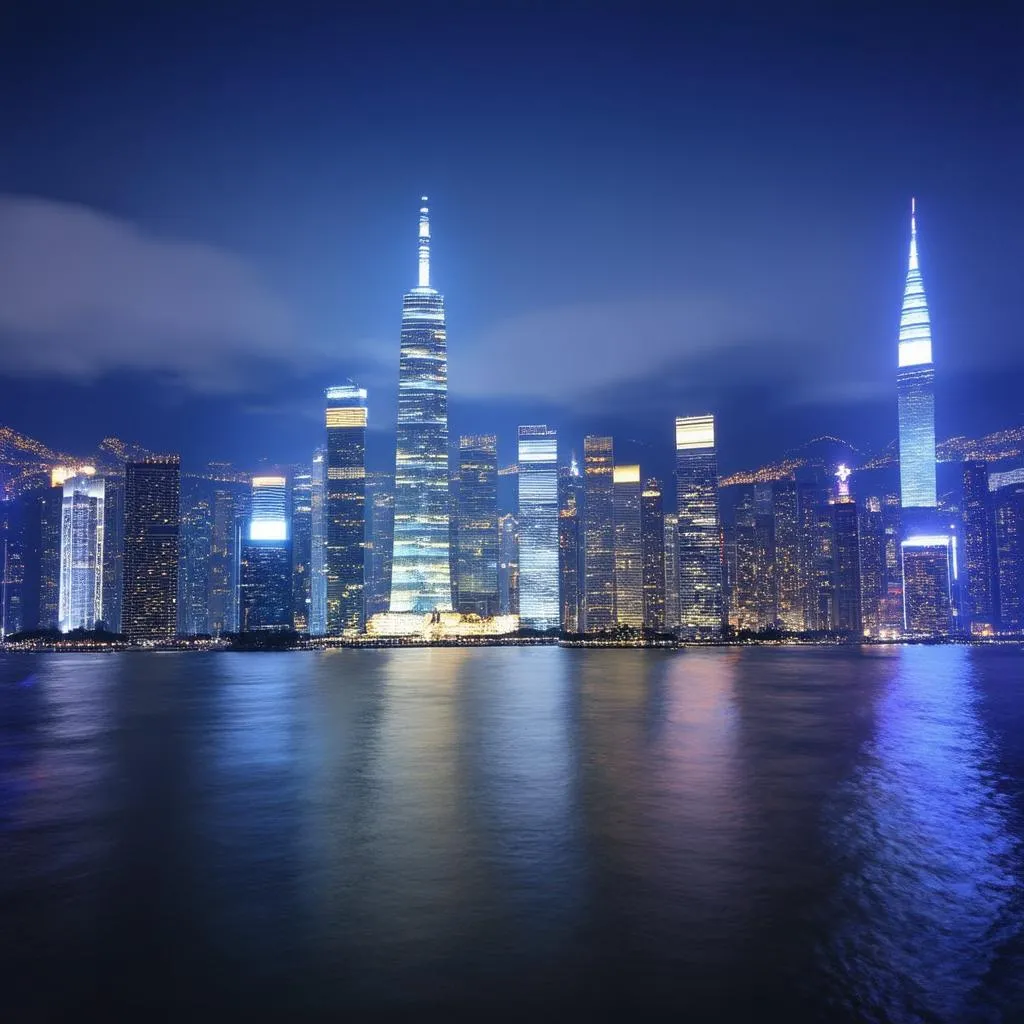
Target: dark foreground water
<point x="765" y="834"/>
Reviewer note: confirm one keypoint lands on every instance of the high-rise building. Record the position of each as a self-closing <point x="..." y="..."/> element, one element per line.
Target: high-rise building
<point x="223" y="562"/>
<point x="873" y="580"/>
<point x="476" y="552"/>
<point x="15" y="529"/>
<point x="81" y="553"/>
<point x="318" y="545"/>
<point x="789" y="598"/>
<point x="892" y="609"/>
<point x="700" y="543"/>
<point x="421" y="576"/>
<point x="302" y="548"/>
<point x="51" y="506"/>
<point x="846" y="615"/>
<point x="815" y="551"/>
<point x="380" y="504"/>
<point x="598" y="535"/>
<point x="928" y="570"/>
<point x="113" y="551"/>
<point x="629" y="571"/>
<point x="538" y="527"/>
<point x="981" y="607"/>
<point x="194" y="569"/>
<point x="570" y="515"/>
<point x="1009" y="522"/>
<point x="915" y="389"/>
<point x="508" y="564"/>
<point x="753" y="589"/>
<point x="671" y="571"/>
<point x="266" y="562"/>
<point x="151" y="542"/>
<point x="345" y="502"/>
<point x="652" y="528"/>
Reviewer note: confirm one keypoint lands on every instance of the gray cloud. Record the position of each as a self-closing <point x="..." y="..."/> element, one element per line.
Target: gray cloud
<point x="83" y="293"/>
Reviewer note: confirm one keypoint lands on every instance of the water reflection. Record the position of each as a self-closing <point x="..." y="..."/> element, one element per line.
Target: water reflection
<point x="929" y="900"/>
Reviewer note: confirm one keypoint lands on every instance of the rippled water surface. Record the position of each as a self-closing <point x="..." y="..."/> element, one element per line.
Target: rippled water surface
<point x="787" y="834"/>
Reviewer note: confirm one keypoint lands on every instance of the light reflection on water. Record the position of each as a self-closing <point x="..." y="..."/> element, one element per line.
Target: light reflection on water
<point x="815" y="834"/>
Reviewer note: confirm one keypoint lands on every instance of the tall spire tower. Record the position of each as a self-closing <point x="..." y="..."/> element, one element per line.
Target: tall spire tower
<point x="915" y="388"/>
<point x="421" y="576"/>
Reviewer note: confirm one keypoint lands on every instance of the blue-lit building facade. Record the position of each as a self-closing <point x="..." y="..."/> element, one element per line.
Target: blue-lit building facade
<point x="538" y="528"/>
<point x="266" y="562"/>
<point x="476" y="556"/>
<point x="318" y="544"/>
<point x="699" y="550"/>
<point x="81" y="552"/>
<point x="345" y="510"/>
<point x="421" y="572"/>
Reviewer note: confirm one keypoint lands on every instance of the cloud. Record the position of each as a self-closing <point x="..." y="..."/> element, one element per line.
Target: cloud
<point x="83" y="294"/>
<point x="581" y="355"/>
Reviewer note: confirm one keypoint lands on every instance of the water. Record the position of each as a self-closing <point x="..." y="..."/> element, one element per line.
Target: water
<point x="787" y="834"/>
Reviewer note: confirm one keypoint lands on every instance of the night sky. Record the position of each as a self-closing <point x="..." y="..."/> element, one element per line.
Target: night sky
<point x="208" y="214"/>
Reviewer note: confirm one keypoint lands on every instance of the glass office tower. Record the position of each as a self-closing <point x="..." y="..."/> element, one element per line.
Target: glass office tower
<point x="81" y="553"/>
<point x="420" y="572"/>
<point x="915" y="389"/>
<point x="538" y="527"/>
<point x="266" y="565"/>
<point x="345" y="509"/>
<point x="477" y="535"/>
<point x="570" y="513"/>
<point x="302" y="548"/>
<point x="318" y="545"/>
<point x="598" y="535"/>
<point x="152" y="496"/>
<point x="700" y="552"/>
<point x="629" y="578"/>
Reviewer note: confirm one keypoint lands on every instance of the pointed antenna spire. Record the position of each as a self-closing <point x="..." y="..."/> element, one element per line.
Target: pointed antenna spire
<point x="424" y="247"/>
<point x="913" y="233"/>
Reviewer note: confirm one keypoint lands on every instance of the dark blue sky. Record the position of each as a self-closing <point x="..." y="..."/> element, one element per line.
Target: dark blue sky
<point x="208" y="214"/>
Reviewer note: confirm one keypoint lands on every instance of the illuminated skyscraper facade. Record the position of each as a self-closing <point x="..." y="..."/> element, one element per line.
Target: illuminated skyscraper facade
<point x="266" y="563"/>
<point x="629" y="574"/>
<point x="873" y="581"/>
<point x="652" y="542"/>
<point x="51" y="506"/>
<point x="81" y="553"/>
<point x="318" y="545"/>
<point x="152" y="495"/>
<point x="476" y="551"/>
<point x="345" y="509"/>
<point x="787" y="542"/>
<point x="380" y="508"/>
<point x="671" y="571"/>
<point x="753" y="590"/>
<point x="421" y="572"/>
<point x="700" y="551"/>
<point x="928" y="570"/>
<point x="1009" y="530"/>
<point x="981" y="605"/>
<point x="538" y="528"/>
<point x="846" y="572"/>
<point x="302" y="548"/>
<point x="194" y="570"/>
<point x="224" y="550"/>
<point x="570" y="520"/>
<point x="113" y="551"/>
<point x="915" y="389"/>
<point x="599" y="535"/>
<point x="508" y="564"/>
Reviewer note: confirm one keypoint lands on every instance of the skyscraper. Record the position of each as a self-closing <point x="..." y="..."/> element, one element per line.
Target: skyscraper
<point x="51" y="505"/>
<point x="380" y="506"/>
<point x="194" y="570"/>
<point x="981" y="607"/>
<point x="846" y="616"/>
<point x="508" y="564"/>
<point x="652" y="529"/>
<point x="302" y="548"/>
<point x="1009" y="520"/>
<point x="224" y="550"/>
<point x="477" y="535"/>
<point x="671" y="571"/>
<point x="345" y="505"/>
<point x="421" y="580"/>
<point x="81" y="553"/>
<point x="754" y="587"/>
<point x="152" y="527"/>
<point x="873" y="587"/>
<point x="629" y="574"/>
<point x="915" y="389"/>
<point x="113" y="551"/>
<point x="570" y="518"/>
<point x="700" y="551"/>
<point x="928" y="569"/>
<point x="266" y="563"/>
<point x="788" y="583"/>
<point x="538" y="527"/>
<point x="318" y="545"/>
<point x="599" y="535"/>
